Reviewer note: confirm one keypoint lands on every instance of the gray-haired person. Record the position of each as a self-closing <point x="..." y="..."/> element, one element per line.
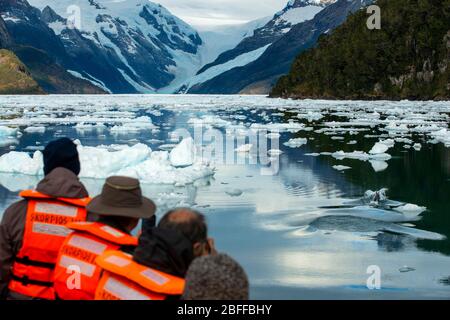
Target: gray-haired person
<point x="216" y="277"/>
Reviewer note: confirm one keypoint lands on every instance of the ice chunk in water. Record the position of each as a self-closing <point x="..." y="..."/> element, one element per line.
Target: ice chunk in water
<point x="21" y="162"/>
<point x="40" y="129"/>
<point x="183" y="154"/>
<point x="379" y="148"/>
<point x="7" y="131"/>
<point x="379" y="165"/>
<point x="7" y="136"/>
<point x="406" y="269"/>
<point x="443" y="136"/>
<point x="135" y="125"/>
<point x="244" y="148"/>
<point x="296" y="142"/>
<point x="341" y="168"/>
<point x="234" y="192"/>
<point x="274" y="152"/>
<point x="137" y="161"/>
<point x="411" y="209"/>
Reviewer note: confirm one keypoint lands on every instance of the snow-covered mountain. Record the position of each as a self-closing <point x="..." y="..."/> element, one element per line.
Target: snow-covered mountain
<point x="260" y="74"/>
<point x="254" y="45"/>
<point x="122" y="46"/>
<point x="215" y="40"/>
<point x="40" y="49"/>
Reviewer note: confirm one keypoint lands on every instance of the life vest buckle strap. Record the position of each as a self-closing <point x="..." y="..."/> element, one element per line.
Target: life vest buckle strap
<point x="26" y="261"/>
<point x="25" y="280"/>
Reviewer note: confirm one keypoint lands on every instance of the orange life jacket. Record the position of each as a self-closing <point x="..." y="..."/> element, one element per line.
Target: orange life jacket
<point x="125" y="279"/>
<point x="76" y="273"/>
<point x="45" y="231"/>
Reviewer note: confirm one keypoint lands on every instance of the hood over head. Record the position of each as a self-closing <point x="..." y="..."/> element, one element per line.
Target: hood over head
<point x="166" y="250"/>
<point x="62" y="182"/>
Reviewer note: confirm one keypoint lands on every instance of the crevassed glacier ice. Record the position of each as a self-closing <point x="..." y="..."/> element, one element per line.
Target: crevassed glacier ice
<point x="139" y="161"/>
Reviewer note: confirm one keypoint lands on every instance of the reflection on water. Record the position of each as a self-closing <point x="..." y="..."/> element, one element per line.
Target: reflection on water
<point x="305" y="232"/>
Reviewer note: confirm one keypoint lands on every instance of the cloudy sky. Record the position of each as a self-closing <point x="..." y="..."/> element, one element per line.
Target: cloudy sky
<point x="204" y="14"/>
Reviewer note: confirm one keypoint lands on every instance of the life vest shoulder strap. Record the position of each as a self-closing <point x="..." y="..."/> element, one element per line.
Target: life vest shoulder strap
<point x="122" y="264"/>
<point x="33" y="194"/>
<point x="105" y="232"/>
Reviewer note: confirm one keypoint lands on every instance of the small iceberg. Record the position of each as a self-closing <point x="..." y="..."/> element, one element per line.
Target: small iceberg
<point x="341" y="168"/>
<point x="136" y="125"/>
<point x="8" y="136"/>
<point x="274" y="152"/>
<point x="379" y="165"/>
<point x="296" y="142"/>
<point x="245" y="148"/>
<point x="378" y="199"/>
<point x="411" y="210"/>
<point x="40" y="129"/>
<point x="379" y="148"/>
<point x="183" y="154"/>
<point x="406" y="269"/>
<point x="234" y="192"/>
<point x="138" y="161"/>
<point x="7" y="131"/>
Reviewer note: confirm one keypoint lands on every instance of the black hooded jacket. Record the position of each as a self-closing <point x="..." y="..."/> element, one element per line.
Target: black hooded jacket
<point x="165" y="250"/>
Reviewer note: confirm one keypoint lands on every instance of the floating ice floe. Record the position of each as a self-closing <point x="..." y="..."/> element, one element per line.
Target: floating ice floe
<point x="8" y="136"/>
<point x="7" y="131"/>
<point x="442" y="136"/>
<point x="296" y="142"/>
<point x="137" y="125"/>
<point x="406" y="269"/>
<point x="310" y="116"/>
<point x="183" y="154"/>
<point x="234" y="192"/>
<point x="273" y="135"/>
<point x="139" y="161"/>
<point x="274" y="152"/>
<point x="85" y="126"/>
<point x="209" y="121"/>
<point x="382" y="146"/>
<point x="312" y="154"/>
<point x="40" y="129"/>
<point x="378" y="165"/>
<point x="280" y="127"/>
<point x="245" y="148"/>
<point x="341" y="168"/>
<point x="360" y="155"/>
<point x="411" y="209"/>
<point x="417" y="146"/>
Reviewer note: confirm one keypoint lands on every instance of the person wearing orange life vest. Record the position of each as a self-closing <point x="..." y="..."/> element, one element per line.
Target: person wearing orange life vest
<point x="119" y="207"/>
<point x="33" y="229"/>
<point x="157" y="268"/>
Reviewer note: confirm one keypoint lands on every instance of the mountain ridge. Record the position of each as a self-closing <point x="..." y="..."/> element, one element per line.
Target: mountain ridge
<point x="276" y="60"/>
<point x="408" y="58"/>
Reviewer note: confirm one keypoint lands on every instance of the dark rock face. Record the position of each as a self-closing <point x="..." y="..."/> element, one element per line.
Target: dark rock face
<point x="31" y="31"/>
<point x="40" y="49"/>
<point x="278" y="57"/>
<point x="5" y="40"/>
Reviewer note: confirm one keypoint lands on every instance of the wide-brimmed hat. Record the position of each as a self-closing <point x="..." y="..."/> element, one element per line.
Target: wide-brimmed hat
<point x="122" y="196"/>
